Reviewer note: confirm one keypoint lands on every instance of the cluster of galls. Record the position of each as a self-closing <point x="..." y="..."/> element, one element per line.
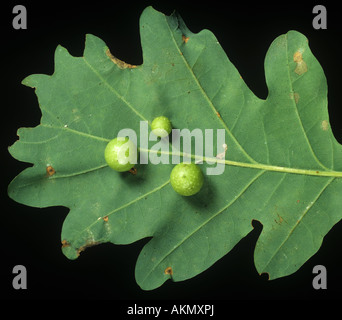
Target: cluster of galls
<point x="186" y="178"/>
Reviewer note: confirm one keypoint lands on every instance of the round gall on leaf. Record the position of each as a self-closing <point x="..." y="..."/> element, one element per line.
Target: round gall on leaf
<point x="186" y="179"/>
<point x="121" y="154"/>
<point x="161" y="126"/>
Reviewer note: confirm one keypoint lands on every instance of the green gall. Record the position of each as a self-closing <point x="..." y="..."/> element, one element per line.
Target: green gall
<point x="121" y="154"/>
<point x="161" y="126"/>
<point x="186" y="179"/>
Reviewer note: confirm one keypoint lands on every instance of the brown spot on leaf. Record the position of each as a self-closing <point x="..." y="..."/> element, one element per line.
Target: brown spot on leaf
<point x="121" y="64"/>
<point x="301" y="64"/>
<point x="185" y="39"/>
<point x="65" y="244"/>
<point x="105" y="218"/>
<point x="298" y="57"/>
<point x="133" y="171"/>
<point x="50" y="171"/>
<point x="294" y="96"/>
<point x="280" y="219"/>
<point x="88" y="244"/>
<point x="168" y="271"/>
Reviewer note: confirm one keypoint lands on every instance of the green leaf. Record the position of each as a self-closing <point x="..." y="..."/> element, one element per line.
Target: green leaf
<point x="283" y="166"/>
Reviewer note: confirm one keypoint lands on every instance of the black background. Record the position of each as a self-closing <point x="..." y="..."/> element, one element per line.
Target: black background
<point x="31" y="236"/>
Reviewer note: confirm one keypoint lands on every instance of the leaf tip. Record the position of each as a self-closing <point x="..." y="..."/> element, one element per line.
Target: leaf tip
<point x="29" y="81"/>
<point x="149" y="10"/>
<point x="33" y="80"/>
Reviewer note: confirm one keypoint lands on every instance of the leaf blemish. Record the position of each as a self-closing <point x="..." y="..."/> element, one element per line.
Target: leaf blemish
<point x="325" y="125"/>
<point x="281" y="219"/>
<point x="50" y="171"/>
<point x="133" y="171"/>
<point x="294" y="96"/>
<point x="121" y="64"/>
<point x="168" y="271"/>
<point x="301" y="64"/>
<point x="298" y="56"/>
<point x="88" y="244"/>
<point x="65" y="244"/>
<point x="185" y="39"/>
<point x="222" y="154"/>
